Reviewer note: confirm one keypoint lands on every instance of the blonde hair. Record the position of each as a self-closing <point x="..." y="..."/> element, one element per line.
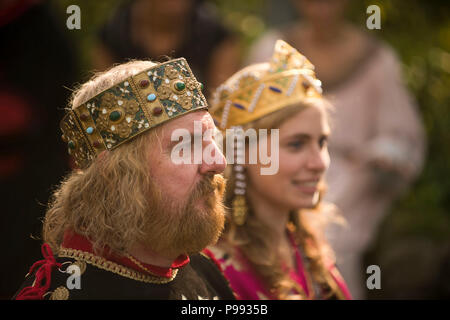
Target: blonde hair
<point x="253" y="238"/>
<point x="104" y="80"/>
<point x="108" y="202"/>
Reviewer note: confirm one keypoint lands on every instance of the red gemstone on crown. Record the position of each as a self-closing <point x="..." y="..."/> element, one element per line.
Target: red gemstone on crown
<point x="157" y="111"/>
<point x="97" y="144"/>
<point x="144" y="83"/>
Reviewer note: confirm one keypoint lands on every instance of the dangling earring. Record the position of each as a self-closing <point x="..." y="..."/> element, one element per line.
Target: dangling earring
<point x="318" y="196"/>
<point x="239" y="210"/>
<point x="239" y="202"/>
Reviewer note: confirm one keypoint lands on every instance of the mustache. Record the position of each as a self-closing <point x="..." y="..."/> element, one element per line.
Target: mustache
<point x="208" y="186"/>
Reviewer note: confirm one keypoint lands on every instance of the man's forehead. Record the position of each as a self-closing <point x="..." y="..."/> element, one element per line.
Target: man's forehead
<point x="187" y="122"/>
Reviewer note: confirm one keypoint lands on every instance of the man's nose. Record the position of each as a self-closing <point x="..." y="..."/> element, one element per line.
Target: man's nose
<point x="213" y="160"/>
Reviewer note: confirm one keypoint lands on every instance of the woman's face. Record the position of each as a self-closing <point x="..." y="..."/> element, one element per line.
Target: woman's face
<point x="303" y="160"/>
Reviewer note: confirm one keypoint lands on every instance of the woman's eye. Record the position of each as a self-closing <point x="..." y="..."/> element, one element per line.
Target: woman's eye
<point x="295" y="145"/>
<point x="323" y="142"/>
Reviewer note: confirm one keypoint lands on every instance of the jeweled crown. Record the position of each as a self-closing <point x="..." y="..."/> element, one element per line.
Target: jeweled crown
<point x="131" y="107"/>
<point x="260" y="89"/>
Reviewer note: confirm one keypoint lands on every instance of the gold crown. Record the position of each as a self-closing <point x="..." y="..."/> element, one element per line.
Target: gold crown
<point x="131" y="107"/>
<point x="260" y="89"/>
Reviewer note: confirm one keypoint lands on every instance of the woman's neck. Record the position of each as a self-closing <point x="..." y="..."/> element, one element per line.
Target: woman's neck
<point x="275" y="217"/>
<point x="270" y="214"/>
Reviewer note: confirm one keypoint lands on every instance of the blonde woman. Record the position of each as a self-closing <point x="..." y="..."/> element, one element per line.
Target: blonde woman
<point x="273" y="246"/>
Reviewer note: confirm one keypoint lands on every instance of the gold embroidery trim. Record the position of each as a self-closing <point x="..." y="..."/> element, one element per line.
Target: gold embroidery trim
<point x="129" y="256"/>
<point x="60" y="293"/>
<point x="113" y="267"/>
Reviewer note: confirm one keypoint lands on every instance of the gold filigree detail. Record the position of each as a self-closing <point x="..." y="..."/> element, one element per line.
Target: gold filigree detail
<point x="191" y="84"/>
<point x="126" y="108"/>
<point x="164" y="92"/>
<point x="131" y="107"/>
<point x="109" y="100"/>
<point x="113" y="267"/>
<point x="171" y="72"/>
<point x="77" y="145"/>
<point x="186" y="102"/>
<point x="102" y="122"/>
<point x="123" y="130"/>
<point x="60" y="293"/>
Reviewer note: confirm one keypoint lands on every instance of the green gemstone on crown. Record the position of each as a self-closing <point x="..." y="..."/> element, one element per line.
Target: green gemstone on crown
<point x="71" y="144"/>
<point x="180" y="86"/>
<point x="115" y="115"/>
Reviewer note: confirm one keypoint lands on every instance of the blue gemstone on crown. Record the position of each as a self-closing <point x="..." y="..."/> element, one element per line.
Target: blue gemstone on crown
<point x="240" y="106"/>
<point x="89" y="130"/>
<point x="275" y="89"/>
<point x="151" y="97"/>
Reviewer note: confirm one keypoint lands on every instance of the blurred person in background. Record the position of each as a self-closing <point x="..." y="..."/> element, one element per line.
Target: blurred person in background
<point x="153" y="29"/>
<point x="274" y="246"/>
<point x="36" y="62"/>
<point x="378" y="141"/>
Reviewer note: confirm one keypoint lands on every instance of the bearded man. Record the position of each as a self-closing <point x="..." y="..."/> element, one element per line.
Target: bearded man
<point x="129" y="223"/>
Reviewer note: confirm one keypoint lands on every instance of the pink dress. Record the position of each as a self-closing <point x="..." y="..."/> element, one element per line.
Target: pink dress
<point x="248" y="285"/>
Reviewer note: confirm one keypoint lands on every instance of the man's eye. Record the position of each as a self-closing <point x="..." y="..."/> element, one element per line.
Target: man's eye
<point x="181" y="147"/>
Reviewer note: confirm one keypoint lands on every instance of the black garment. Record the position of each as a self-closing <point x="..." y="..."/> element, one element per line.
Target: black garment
<point x="200" y="279"/>
<point x="205" y="33"/>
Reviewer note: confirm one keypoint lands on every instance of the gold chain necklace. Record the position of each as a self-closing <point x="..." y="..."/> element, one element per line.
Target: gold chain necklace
<point x="135" y="261"/>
